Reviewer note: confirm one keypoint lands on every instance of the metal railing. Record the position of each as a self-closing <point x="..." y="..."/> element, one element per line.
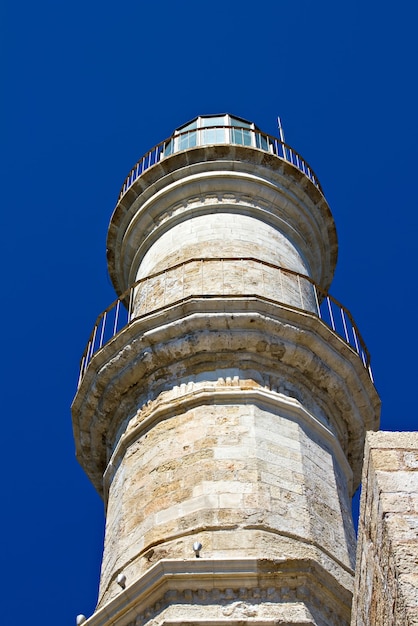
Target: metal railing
<point x="196" y="137"/>
<point x="274" y="283"/>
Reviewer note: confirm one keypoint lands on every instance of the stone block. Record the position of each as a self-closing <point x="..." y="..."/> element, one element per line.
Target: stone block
<point x="386" y="584"/>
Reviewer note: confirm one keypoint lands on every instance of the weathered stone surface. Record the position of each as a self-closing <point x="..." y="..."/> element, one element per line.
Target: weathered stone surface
<point x="279" y="348"/>
<point x="187" y="184"/>
<point x="253" y="479"/>
<point x="226" y="412"/>
<point x="234" y="277"/>
<point x="291" y="592"/>
<point x="386" y="590"/>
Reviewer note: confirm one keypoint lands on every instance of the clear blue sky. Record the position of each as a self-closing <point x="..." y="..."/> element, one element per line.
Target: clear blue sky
<point x="88" y="87"/>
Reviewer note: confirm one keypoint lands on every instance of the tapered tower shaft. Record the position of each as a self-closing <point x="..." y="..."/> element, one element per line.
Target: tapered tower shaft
<point x="230" y="409"/>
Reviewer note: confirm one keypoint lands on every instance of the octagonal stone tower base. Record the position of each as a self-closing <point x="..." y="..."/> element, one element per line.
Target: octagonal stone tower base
<point x="226" y="412"/>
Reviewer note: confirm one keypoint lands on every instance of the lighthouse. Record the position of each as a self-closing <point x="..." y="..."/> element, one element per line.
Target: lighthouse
<point x="224" y="396"/>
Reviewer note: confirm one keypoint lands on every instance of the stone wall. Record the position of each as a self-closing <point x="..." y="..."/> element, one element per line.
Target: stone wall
<point x="223" y="277"/>
<point x="386" y="588"/>
<point x="255" y="478"/>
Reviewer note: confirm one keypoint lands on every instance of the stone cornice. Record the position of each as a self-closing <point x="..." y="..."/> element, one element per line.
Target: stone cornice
<point x="219" y="584"/>
<point x="229" y="192"/>
<point x="287" y="189"/>
<point x="203" y="335"/>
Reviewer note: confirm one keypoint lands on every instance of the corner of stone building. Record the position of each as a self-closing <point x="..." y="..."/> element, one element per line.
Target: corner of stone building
<point x="386" y="580"/>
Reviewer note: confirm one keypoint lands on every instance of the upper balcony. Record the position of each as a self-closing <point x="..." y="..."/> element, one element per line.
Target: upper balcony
<point x="216" y="130"/>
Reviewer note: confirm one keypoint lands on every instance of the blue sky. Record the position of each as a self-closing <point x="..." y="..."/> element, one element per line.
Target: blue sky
<point x="91" y="86"/>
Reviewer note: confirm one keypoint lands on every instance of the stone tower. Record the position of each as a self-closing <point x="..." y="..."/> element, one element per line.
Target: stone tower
<point x="224" y="398"/>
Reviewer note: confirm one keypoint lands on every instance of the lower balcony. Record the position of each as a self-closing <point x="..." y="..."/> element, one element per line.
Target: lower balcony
<point x="223" y="277"/>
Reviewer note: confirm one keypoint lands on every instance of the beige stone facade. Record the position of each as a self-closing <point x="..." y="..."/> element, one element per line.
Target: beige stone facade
<point x="386" y="589"/>
<point x="226" y="412"/>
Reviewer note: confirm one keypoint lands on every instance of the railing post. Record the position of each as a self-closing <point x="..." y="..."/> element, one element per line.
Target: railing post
<point x="330" y="313"/>
<point x="93" y="340"/>
<point x="317" y="301"/>
<point x="284" y="153"/>
<point x="130" y="307"/>
<point x="115" y="325"/>
<point x="81" y="374"/>
<point x="345" y="325"/>
<point x="103" y="329"/>
<point x="88" y="357"/>
<point x="276" y="146"/>
<point x="355" y="340"/>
